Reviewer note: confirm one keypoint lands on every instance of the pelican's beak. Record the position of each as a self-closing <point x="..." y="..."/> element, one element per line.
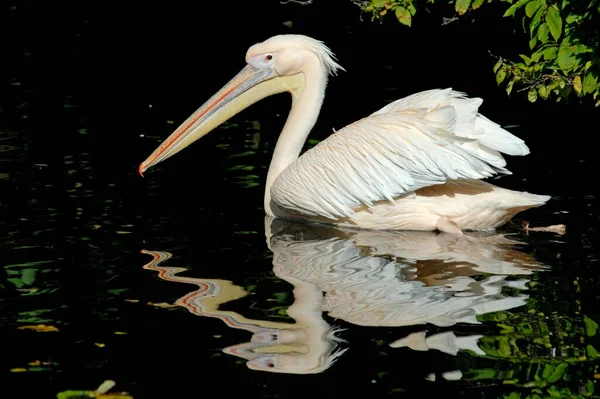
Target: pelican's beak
<point x="247" y="87"/>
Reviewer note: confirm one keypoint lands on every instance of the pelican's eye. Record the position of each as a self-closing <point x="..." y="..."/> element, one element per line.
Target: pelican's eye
<point x="262" y="61"/>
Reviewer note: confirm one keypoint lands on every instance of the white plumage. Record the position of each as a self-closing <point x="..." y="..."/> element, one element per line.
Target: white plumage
<point x="425" y="139"/>
<point x="415" y="164"/>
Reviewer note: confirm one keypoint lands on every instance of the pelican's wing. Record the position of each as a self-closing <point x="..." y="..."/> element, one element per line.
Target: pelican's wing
<point x="418" y="141"/>
<point x="468" y="121"/>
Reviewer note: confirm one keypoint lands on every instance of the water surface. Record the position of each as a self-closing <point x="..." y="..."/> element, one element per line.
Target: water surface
<point x="174" y="283"/>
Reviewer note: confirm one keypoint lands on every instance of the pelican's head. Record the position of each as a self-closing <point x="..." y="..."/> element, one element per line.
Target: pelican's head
<point x="303" y="350"/>
<point x="274" y="66"/>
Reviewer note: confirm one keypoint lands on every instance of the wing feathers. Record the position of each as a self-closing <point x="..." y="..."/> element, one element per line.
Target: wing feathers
<point x="421" y="140"/>
<point x="499" y="139"/>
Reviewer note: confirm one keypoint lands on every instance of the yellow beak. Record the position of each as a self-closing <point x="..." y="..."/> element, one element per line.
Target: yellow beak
<point x="247" y="87"/>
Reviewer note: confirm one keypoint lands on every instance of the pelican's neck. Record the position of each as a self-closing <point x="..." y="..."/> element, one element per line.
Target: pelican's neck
<point x="306" y="104"/>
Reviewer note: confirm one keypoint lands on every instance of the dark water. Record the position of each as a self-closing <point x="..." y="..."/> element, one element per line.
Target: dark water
<point x="175" y="285"/>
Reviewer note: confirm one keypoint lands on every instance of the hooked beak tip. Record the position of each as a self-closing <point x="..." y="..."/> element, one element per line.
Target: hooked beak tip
<point x="141" y="169"/>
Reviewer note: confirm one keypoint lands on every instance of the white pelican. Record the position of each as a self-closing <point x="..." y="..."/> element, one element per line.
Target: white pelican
<point x="415" y="164"/>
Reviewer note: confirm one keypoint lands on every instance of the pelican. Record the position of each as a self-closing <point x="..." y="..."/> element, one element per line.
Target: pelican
<point x="415" y="164"/>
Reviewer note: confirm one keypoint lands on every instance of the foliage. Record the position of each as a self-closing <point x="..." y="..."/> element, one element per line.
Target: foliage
<point x="539" y="352"/>
<point x="100" y="393"/>
<point x="563" y="59"/>
<point x="538" y="355"/>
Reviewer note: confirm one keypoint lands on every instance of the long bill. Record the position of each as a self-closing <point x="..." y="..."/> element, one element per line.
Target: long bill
<point x="247" y="87"/>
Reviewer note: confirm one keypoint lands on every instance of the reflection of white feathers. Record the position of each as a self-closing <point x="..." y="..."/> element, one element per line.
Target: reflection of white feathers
<point x="370" y="278"/>
<point x="446" y="342"/>
<point x="423" y="277"/>
<point x="486" y="254"/>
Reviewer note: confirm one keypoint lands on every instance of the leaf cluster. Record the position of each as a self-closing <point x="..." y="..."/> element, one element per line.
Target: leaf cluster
<point x="563" y="61"/>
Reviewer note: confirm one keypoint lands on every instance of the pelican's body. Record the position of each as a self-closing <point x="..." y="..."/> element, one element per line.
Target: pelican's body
<point x="415" y="164"/>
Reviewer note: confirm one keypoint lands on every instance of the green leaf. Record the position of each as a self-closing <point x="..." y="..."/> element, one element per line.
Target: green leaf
<point x="558" y="373"/>
<point x="535" y="57"/>
<point x="543" y="91"/>
<point x="572" y="18"/>
<point x="535" y="22"/>
<point x="72" y="394"/>
<point x="589" y="388"/>
<point x="565" y="92"/>
<point x="543" y="32"/>
<point x="525" y="58"/>
<point x="462" y="6"/>
<point x="532" y="95"/>
<point x="550" y="53"/>
<point x="242" y="154"/>
<point x="532" y="7"/>
<point x="16" y="281"/>
<point x="511" y="10"/>
<point x="591" y="352"/>
<point x="532" y="43"/>
<point x="247" y="168"/>
<point x="403" y="16"/>
<point x="548" y="371"/>
<point x="476" y="4"/>
<point x="500" y="75"/>
<point x="566" y="58"/>
<point x="554" y="22"/>
<point x="34" y="316"/>
<point x="577" y="84"/>
<point x="509" y="87"/>
<point x="497" y="66"/>
<point x="589" y="85"/>
<point x="590" y="325"/>
<point x="522" y="66"/>
<point x="582" y="49"/>
<point x="28" y="276"/>
<point x="105" y="387"/>
<point x="564" y="3"/>
<point x="39" y="262"/>
<point x="482" y="374"/>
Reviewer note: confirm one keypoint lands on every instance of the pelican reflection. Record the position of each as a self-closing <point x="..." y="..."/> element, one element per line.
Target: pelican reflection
<point x="366" y="278"/>
<point x="307" y="346"/>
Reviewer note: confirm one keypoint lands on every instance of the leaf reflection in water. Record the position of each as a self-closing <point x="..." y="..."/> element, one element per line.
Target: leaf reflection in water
<point x="367" y="278"/>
